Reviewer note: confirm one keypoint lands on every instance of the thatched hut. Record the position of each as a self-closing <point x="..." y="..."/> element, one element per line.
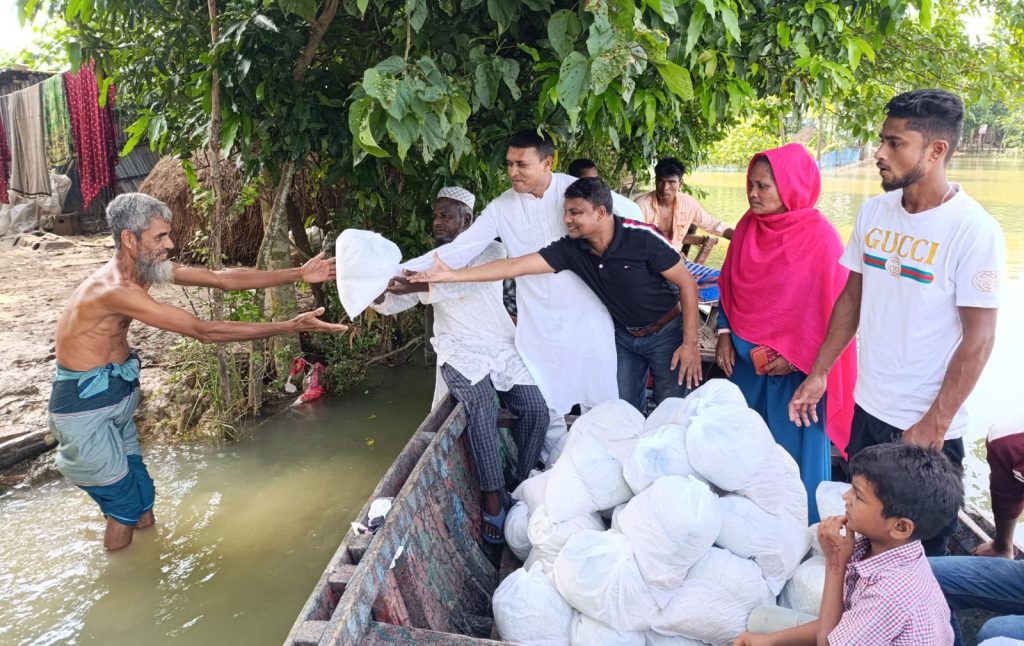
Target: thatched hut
<point x="244" y="231"/>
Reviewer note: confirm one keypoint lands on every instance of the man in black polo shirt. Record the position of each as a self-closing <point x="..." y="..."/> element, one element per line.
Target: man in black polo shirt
<point x="637" y="274"/>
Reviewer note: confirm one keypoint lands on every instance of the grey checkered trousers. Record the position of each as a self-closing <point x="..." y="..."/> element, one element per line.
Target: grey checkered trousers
<point x="525" y="402"/>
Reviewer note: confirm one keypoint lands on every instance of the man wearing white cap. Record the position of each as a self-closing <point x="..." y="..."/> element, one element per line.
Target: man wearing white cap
<point x="563" y="332"/>
<point x="476" y="355"/>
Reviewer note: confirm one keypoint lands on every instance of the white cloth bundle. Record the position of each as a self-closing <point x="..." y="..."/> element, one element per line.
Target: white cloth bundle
<point x="529" y="610"/>
<point x="597" y="574"/>
<point x="716" y="599"/>
<point x="803" y="592"/>
<point x="661" y="453"/>
<point x="727" y="443"/>
<point x="365" y="261"/>
<point x="591" y="632"/>
<point x="777" y="543"/>
<point x="548" y="538"/>
<point x="670" y="525"/>
<point x="516" y="522"/>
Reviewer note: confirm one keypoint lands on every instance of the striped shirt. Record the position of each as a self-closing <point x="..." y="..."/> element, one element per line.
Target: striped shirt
<point x="891" y="598"/>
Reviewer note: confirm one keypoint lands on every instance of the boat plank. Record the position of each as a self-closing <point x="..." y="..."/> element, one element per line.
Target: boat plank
<point x="380" y="634"/>
<point x="324" y="599"/>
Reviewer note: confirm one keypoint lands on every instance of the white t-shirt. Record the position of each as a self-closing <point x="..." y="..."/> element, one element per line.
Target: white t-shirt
<point x="918" y="268"/>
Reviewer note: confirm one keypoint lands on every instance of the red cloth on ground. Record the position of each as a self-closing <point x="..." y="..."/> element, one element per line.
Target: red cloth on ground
<point x="782" y="276"/>
<point x="5" y="163"/>
<point x="92" y="131"/>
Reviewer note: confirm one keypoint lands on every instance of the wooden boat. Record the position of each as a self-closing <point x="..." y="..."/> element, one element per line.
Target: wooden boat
<point x="425" y="577"/>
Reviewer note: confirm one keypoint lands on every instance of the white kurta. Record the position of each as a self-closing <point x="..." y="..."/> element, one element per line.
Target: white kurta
<point x="564" y="333"/>
<point x="472" y="330"/>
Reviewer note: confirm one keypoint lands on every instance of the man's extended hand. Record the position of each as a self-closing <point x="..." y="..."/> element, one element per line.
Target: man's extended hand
<point x="318" y="269"/>
<point x="441" y="273"/>
<point x="400" y="285"/>
<point x="687" y="358"/>
<point x="308" y="322"/>
<point x="803" y="407"/>
<point x="927" y="433"/>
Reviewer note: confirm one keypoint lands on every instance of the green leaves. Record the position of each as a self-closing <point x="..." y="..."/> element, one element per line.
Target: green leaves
<point x="305" y="9"/>
<point x="563" y="30"/>
<point x="572" y="79"/>
<point x="676" y="79"/>
<point x="503" y="12"/>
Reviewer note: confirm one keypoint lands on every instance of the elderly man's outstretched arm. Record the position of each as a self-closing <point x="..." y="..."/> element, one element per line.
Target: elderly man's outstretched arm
<point x="134" y="302"/>
<point x="317" y="270"/>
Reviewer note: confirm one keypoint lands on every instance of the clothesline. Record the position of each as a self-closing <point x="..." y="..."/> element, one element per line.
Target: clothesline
<point x="52" y="122"/>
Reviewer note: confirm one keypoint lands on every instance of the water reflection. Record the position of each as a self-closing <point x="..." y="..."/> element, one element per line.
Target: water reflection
<point x="992" y="182"/>
<point x="243" y="530"/>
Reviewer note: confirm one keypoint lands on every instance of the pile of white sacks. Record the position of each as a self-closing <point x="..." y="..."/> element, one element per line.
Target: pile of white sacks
<point x="708" y="520"/>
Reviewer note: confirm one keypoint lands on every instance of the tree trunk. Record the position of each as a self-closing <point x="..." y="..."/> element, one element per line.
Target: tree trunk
<point x="304" y="247"/>
<point x="275" y="253"/>
<point x="217" y="217"/>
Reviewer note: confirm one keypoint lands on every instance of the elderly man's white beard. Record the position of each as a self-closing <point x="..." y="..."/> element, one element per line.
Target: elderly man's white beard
<point x="154" y="272"/>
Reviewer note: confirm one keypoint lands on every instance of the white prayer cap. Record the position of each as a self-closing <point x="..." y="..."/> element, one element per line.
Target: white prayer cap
<point x="458" y="194"/>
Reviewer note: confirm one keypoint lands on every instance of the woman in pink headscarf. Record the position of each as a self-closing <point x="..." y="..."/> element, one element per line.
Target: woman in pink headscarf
<point x="780" y="279"/>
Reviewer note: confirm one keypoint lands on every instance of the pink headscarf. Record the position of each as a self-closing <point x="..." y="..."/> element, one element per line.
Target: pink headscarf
<point x="782" y="276"/>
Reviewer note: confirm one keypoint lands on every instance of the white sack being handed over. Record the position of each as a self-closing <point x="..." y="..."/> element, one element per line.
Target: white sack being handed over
<point x="715" y="601"/>
<point x="777" y="487"/>
<point x="829" y="497"/>
<point x="776" y="542"/>
<point x="587" y="478"/>
<point x="727" y="444"/>
<point x="548" y="538"/>
<point x="661" y="453"/>
<point x="803" y="592"/>
<point x="529" y="610"/>
<point x="531" y="491"/>
<point x="597" y="574"/>
<point x="670" y="525"/>
<point x="590" y="632"/>
<point x="516" y="522"/>
<point x="366" y="261"/>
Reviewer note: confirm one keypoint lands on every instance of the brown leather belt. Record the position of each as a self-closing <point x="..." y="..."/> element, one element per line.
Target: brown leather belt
<point x="654" y="327"/>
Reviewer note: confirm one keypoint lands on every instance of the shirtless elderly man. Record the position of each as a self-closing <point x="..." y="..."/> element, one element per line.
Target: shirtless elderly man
<point x="96" y="386"/>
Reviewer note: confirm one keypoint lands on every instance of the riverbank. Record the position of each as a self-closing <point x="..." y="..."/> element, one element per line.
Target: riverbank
<point x="37" y="275"/>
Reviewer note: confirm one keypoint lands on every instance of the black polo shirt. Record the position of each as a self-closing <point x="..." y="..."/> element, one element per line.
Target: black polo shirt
<point x="627" y="278"/>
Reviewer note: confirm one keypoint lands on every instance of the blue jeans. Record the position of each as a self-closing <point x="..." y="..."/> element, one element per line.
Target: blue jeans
<point x="989" y="583"/>
<point x="637" y="355"/>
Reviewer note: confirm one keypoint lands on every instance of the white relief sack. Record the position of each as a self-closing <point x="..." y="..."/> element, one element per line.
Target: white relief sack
<point x="726" y="444"/>
<point x="529" y="610"/>
<point x="366" y="261"/>
<point x="517" y="521"/>
<point x="803" y="592"/>
<point x="597" y="574"/>
<point x="777" y="543"/>
<point x="670" y="525"/>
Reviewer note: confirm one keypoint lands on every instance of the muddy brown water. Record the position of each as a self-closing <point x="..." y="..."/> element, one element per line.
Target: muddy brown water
<point x="245" y="529"/>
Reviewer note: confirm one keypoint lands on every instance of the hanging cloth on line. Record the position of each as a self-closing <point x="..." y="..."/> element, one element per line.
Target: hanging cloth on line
<point x="5" y="163"/>
<point x="92" y="131"/>
<point x="57" y="122"/>
<point x="30" y="175"/>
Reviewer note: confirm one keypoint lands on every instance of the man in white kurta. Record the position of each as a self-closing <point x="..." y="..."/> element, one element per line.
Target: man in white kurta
<point x="476" y="355"/>
<point x="563" y="333"/>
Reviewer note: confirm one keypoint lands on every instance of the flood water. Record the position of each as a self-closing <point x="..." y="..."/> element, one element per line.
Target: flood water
<point x="996" y="184"/>
<point x="243" y="530"/>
